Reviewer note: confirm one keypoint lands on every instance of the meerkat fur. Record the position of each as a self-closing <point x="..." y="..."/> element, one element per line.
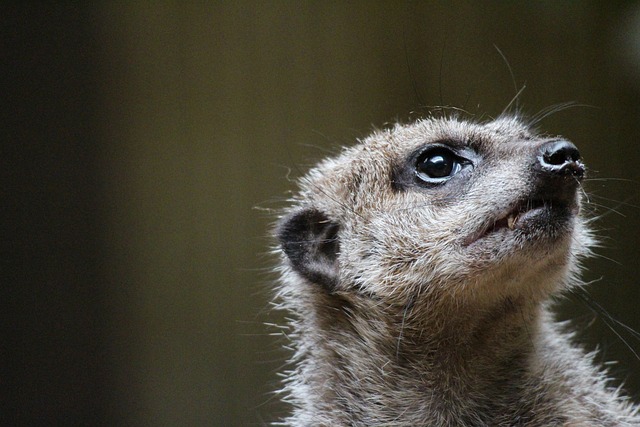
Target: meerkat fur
<point x="420" y="296"/>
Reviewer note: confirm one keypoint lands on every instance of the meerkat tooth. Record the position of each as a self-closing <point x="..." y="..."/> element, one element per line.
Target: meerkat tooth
<point x="511" y="221"/>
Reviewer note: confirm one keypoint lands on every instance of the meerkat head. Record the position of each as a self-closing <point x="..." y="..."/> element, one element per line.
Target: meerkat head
<point x="444" y="209"/>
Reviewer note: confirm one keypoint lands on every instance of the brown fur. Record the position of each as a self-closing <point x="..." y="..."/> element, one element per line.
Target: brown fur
<point x="408" y="309"/>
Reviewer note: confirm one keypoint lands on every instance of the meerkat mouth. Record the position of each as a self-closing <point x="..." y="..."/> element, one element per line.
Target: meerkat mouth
<point x="522" y="215"/>
<point x="513" y="218"/>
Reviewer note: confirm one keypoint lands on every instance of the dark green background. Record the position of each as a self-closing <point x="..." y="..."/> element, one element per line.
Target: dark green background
<point x="140" y="137"/>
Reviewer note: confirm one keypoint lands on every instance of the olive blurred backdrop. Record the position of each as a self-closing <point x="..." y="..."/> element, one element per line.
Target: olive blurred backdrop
<point x="139" y="138"/>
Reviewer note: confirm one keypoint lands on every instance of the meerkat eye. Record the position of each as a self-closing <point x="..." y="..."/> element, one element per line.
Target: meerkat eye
<point x="438" y="165"/>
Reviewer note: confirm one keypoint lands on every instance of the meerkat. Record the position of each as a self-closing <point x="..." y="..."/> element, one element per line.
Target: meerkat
<point x="419" y="265"/>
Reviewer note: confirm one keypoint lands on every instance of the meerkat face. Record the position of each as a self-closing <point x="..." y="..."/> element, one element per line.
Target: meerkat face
<point x="441" y="207"/>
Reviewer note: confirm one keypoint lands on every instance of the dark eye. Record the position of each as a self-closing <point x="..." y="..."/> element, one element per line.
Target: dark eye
<point x="438" y="165"/>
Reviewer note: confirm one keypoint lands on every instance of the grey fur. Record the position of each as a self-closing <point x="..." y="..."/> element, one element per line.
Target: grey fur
<point x="403" y="316"/>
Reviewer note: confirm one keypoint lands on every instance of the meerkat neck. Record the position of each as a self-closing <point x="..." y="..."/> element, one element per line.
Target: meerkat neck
<point x="400" y="356"/>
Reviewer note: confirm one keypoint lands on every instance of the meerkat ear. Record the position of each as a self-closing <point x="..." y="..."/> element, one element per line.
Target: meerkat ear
<point x="310" y="241"/>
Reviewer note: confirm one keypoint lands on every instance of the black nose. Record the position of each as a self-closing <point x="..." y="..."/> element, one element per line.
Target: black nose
<point x="561" y="158"/>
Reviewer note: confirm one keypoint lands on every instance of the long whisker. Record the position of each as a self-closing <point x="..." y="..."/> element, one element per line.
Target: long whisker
<point x="607" y="318"/>
<point x="553" y="109"/>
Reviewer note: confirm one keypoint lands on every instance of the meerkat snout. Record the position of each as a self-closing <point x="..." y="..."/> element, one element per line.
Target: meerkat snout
<point x="418" y="266"/>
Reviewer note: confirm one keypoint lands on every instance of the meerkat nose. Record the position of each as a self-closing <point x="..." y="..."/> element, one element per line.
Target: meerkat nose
<point x="561" y="158"/>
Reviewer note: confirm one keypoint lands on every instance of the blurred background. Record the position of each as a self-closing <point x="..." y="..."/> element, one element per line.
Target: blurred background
<point x="146" y="145"/>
